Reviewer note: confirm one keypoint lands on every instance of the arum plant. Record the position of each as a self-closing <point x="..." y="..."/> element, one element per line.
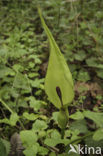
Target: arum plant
<point x="58" y="81"/>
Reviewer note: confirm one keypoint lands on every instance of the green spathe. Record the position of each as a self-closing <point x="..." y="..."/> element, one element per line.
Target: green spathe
<point x="62" y="118"/>
<point x="58" y="73"/>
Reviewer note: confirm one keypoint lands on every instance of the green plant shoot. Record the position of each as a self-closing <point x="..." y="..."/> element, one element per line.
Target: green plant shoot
<point x="58" y="77"/>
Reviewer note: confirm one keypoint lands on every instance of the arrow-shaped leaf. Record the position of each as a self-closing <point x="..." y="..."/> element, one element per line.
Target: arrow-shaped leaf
<point x="58" y="75"/>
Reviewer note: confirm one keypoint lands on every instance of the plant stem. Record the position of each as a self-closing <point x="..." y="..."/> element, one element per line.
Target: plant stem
<point x="62" y="133"/>
<point x="10" y="110"/>
<point x="79" y="139"/>
<point x="59" y="14"/>
<point x="67" y="118"/>
<point x="6" y="106"/>
<point x="21" y="124"/>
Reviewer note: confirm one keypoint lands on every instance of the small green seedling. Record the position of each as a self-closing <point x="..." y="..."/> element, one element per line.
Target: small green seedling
<point x="58" y="81"/>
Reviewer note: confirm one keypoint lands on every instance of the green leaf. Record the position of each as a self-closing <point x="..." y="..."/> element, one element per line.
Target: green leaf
<point x="18" y="67"/>
<point x="54" y="139"/>
<point x="80" y="56"/>
<point x="39" y="125"/>
<point x="52" y="142"/>
<point x="95" y="116"/>
<point x="79" y="125"/>
<point x="5" y="71"/>
<point x="100" y="73"/>
<point x="93" y="62"/>
<point x="42" y="151"/>
<point x="31" y="150"/>
<point x="21" y="82"/>
<point x="12" y="121"/>
<point x="7" y="145"/>
<point x="55" y="116"/>
<point x="2" y="149"/>
<point x="83" y="76"/>
<point x="98" y="135"/>
<point x="90" y="142"/>
<point x="28" y="137"/>
<point x="77" y="116"/>
<point x="58" y="73"/>
<point x="62" y="119"/>
<point x="29" y="140"/>
<point x="36" y="83"/>
<point x="30" y="116"/>
<point x="55" y="134"/>
<point x="36" y="104"/>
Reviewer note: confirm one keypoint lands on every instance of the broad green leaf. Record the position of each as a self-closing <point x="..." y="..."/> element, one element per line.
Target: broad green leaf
<point x="98" y="135"/>
<point x="43" y="151"/>
<point x="100" y="73"/>
<point x="58" y="73"/>
<point x="5" y="71"/>
<point x="12" y="121"/>
<point x="83" y="76"/>
<point x="54" y="139"/>
<point x="55" y="116"/>
<point x="31" y="116"/>
<point x="29" y="140"/>
<point x="7" y="146"/>
<point x="39" y="125"/>
<point x="28" y="137"/>
<point x="77" y="116"/>
<point x="79" y="125"/>
<point x="2" y="149"/>
<point x="21" y="82"/>
<point x="31" y="150"/>
<point x="95" y="116"/>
